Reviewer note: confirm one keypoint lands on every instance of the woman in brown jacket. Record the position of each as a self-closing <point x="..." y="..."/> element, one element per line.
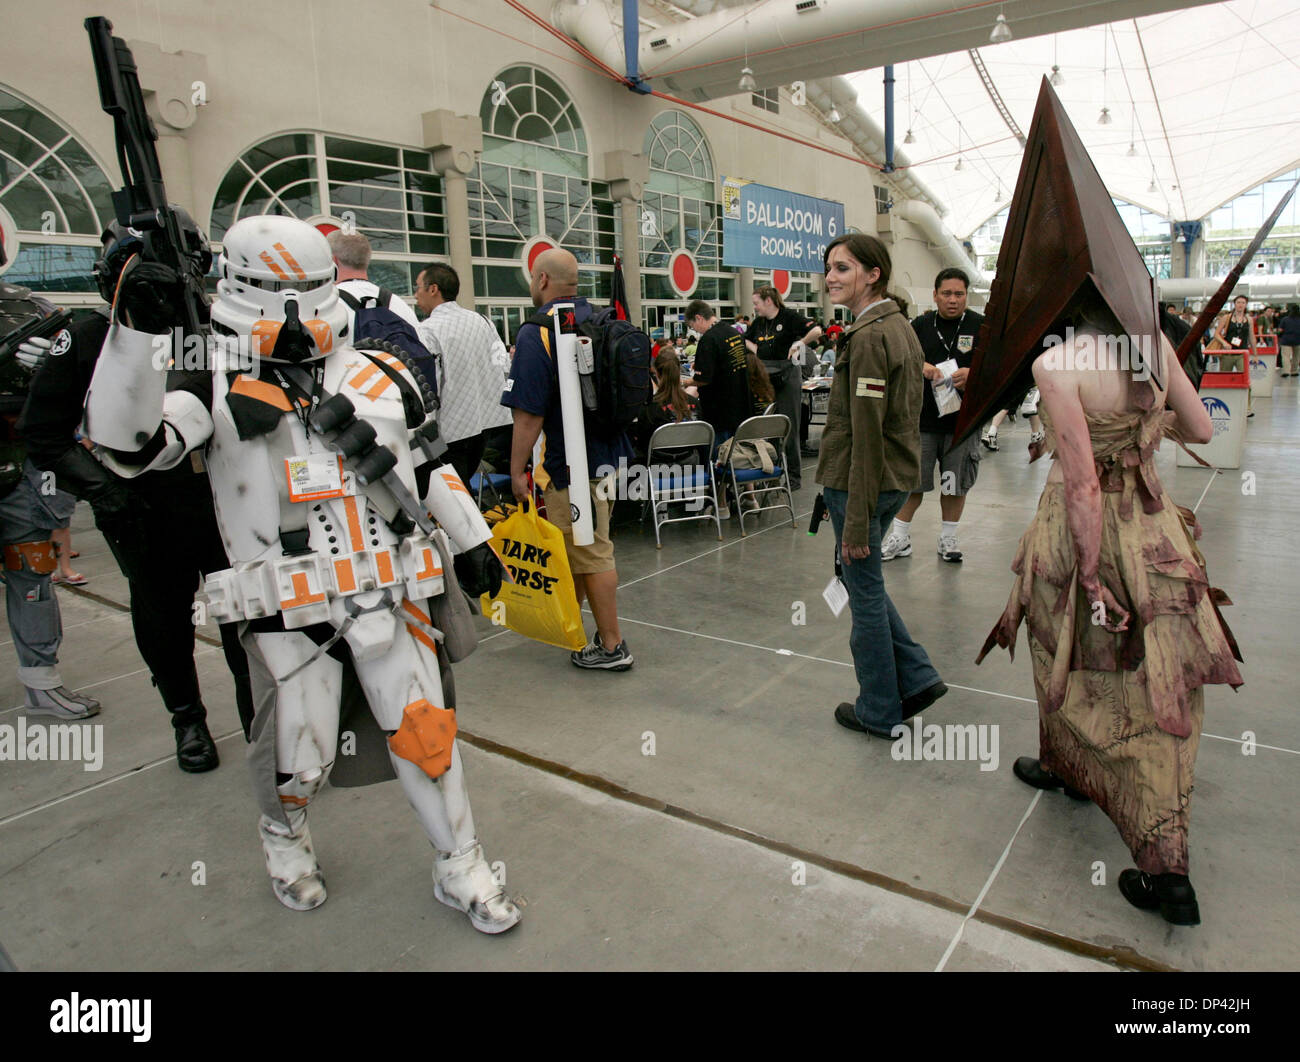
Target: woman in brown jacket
<point x="870" y="462"/>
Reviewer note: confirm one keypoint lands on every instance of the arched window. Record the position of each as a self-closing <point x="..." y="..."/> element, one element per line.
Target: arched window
<point x="391" y="194"/>
<point x="679" y="208"/>
<point x="531" y="122"/>
<point x="57" y="195"/>
<point x="680" y="161"/>
<point x="532" y="181"/>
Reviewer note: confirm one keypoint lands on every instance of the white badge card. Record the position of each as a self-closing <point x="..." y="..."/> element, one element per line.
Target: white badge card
<point x="836" y="595"/>
<point x="946" y="396"/>
<point x="313" y="477"/>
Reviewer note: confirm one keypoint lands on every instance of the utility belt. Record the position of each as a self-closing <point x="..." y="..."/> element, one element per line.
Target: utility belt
<point x="303" y="587"/>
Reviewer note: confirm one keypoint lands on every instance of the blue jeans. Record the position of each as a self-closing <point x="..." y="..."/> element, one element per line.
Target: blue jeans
<point x="890" y="666"/>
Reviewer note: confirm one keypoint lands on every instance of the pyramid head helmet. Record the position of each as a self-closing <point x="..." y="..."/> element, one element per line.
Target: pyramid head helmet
<point x="1065" y="253"/>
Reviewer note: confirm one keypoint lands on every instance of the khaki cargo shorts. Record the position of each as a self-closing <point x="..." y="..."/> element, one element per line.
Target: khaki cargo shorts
<point x="583" y="560"/>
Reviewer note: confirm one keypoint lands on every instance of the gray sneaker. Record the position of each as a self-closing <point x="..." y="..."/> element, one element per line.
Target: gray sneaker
<point x="895" y="545"/>
<point x="595" y="655"/>
<point x="61" y="703"/>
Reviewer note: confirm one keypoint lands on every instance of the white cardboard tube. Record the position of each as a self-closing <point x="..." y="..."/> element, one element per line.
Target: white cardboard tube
<point x="575" y="437"/>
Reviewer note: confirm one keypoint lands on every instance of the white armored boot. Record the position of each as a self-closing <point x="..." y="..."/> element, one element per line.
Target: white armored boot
<point x="463" y="880"/>
<point x="296" y="877"/>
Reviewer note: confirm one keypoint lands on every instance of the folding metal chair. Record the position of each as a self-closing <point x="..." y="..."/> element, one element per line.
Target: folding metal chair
<point x="674" y="484"/>
<point x="485" y="482"/>
<point x="774" y="428"/>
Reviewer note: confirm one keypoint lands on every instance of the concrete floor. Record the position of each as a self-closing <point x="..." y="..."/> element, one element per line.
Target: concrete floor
<point x="760" y="835"/>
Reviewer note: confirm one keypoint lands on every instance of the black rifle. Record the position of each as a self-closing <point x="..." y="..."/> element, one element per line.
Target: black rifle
<point x="141" y="203"/>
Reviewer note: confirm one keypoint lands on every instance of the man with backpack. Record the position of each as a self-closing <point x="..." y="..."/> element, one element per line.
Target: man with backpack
<point x="533" y="391"/>
<point x="378" y="319"/>
<point x="351" y="253"/>
<point x="472" y="367"/>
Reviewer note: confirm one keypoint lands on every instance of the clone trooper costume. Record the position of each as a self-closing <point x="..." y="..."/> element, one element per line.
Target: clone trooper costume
<point x="310" y="454"/>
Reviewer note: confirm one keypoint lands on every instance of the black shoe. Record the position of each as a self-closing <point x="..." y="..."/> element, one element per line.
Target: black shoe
<point x="196" y="752"/>
<point x="919" y="702"/>
<point x="1031" y="772"/>
<point x="845" y="716"/>
<point x="1171" y="894"/>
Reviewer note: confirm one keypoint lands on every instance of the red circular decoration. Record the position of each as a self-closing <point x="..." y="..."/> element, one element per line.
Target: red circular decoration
<point x="682" y="272"/>
<point x="535" y="250"/>
<point x="781" y="281"/>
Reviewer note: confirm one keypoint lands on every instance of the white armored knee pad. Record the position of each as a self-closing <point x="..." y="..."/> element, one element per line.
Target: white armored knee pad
<point x="298" y="791"/>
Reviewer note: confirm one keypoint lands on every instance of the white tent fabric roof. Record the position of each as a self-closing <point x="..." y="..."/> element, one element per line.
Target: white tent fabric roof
<point x="1206" y="96"/>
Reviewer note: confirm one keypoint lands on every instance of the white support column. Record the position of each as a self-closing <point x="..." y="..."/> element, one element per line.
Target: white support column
<point x="627" y="175"/>
<point x="175" y="86"/>
<point x="456" y="142"/>
<point x="630" y="252"/>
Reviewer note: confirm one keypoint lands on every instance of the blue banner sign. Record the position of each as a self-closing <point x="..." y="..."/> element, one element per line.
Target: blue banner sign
<point x="769" y="228"/>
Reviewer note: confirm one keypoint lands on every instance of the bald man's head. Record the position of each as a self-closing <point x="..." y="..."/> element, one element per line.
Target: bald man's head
<point x="555" y="275"/>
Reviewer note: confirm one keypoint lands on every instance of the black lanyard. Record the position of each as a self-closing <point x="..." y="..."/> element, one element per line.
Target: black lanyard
<point x="957" y="335"/>
<point x="290" y="381"/>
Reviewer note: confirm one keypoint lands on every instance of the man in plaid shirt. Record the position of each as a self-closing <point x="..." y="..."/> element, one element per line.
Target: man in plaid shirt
<point x="472" y="367"/>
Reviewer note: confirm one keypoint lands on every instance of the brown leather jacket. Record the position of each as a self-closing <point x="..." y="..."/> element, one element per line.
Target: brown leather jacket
<point x="872" y="439"/>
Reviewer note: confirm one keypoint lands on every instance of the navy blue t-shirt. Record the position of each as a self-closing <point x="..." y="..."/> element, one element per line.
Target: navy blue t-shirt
<point x="534" y="387"/>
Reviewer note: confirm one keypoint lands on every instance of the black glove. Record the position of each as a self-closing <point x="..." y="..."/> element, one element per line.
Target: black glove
<point x="151" y="296"/>
<point x="478" y="571"/>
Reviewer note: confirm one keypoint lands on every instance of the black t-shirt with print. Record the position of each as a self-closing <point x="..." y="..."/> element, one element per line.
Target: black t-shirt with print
<point x="942" y="339"/>
<point x="776" y="336"/>
<point x="720" y="368"/>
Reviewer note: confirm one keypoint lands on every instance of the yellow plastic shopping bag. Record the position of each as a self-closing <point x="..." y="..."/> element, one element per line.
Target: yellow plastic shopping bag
<point x="541" y="602"/>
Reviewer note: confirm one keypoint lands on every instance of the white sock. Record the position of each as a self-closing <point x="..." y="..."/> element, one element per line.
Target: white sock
<point x="947" y="528"/>
<point x="903" y="527"/>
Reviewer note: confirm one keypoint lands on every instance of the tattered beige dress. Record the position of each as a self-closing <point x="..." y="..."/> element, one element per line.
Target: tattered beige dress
<point x="1120" y="714"/>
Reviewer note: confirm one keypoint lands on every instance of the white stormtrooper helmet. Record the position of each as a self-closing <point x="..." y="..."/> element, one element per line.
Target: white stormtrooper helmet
<point x="277" y="286"/>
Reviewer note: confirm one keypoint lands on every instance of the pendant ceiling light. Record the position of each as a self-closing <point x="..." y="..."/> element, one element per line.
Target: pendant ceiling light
<point x="909" y="139"/>
<point x="1057" y="79"/>
<point x="1001" y="31"/>
<point x="1104" y="117"/>
<point x="834" y="114"/>
<point x="747" y="82"/>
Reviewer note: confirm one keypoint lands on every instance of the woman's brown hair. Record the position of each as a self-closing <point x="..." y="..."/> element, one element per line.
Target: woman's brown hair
<point x="871" y="254"/>
<point x="771" y="295"/>
<point x="670" y="391"/>
<point x="760" y="384"/>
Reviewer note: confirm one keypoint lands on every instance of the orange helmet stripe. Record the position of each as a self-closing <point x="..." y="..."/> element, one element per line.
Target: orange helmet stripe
<point x="273" y="265"/>
<point x="293" y="264"/>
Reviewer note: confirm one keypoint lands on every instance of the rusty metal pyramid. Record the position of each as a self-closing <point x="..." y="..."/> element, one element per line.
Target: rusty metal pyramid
<point x="1065" y="245"/>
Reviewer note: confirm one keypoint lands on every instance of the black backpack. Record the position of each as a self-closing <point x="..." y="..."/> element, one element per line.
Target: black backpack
<point x="374" y="320"/>
<point x="619" y="385"/>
